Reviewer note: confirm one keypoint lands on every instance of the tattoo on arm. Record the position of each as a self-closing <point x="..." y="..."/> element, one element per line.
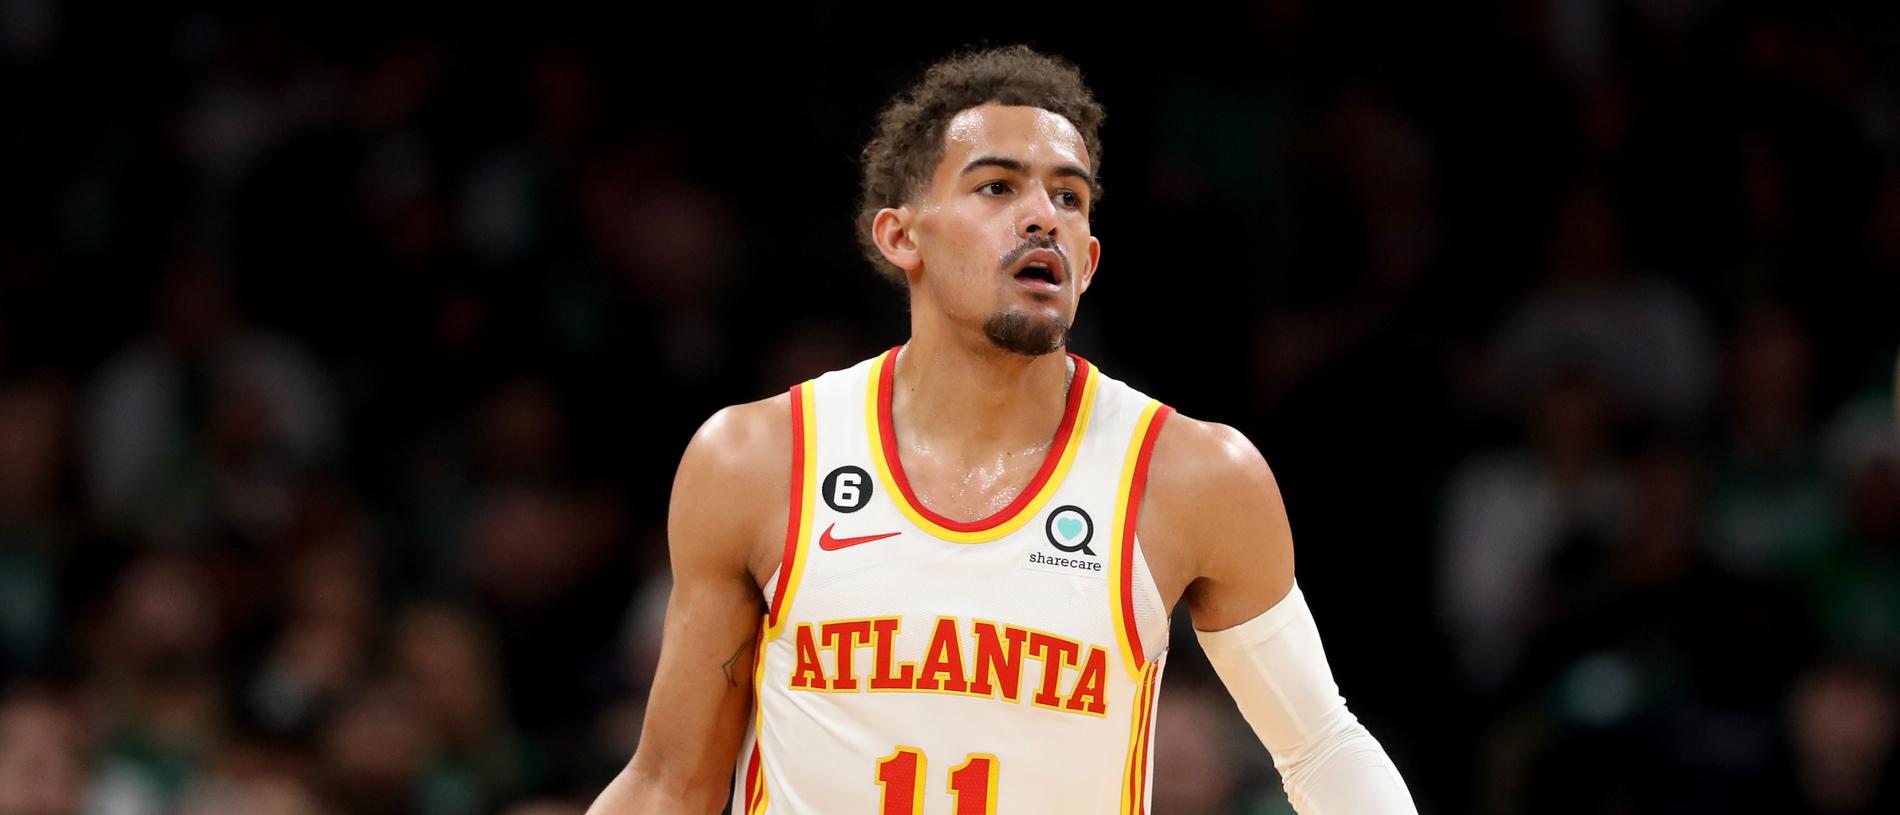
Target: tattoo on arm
<point x="734" y="659"/>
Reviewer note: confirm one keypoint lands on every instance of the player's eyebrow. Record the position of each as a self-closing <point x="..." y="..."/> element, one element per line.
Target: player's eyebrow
<point x="1015" y="166"/>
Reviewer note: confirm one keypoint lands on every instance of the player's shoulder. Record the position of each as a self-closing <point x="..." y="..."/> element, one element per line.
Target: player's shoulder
<point x="728" y="494"/>
<point x="1205" y="463"/>
<point x="749" y="440"/>
<point x="1212" y="506"/>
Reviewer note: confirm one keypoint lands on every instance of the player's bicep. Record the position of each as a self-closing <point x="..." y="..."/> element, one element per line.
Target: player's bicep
<point x="702" y="688"/>
<point x="1213" y="499"/>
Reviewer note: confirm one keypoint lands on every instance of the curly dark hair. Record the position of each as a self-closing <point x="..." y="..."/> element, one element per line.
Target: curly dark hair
<point x="900" y="159"/>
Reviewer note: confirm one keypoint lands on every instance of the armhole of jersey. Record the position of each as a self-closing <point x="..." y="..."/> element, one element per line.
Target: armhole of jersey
<point x="1151" y="617"/>
<point x="783" y="585"/>
<point x="1122" y="565"/>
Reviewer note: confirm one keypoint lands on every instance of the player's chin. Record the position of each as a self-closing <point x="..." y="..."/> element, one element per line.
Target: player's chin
<point x="1027" y="332"/>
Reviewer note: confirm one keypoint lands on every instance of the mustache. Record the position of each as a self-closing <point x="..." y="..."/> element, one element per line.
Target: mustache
<point x="1031" y="245"/>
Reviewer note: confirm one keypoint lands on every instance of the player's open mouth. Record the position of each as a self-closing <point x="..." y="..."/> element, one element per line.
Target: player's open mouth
<point x="1040" y="270"/>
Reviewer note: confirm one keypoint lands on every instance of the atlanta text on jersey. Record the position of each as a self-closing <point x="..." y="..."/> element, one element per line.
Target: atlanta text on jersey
<point x="998" y="654"/>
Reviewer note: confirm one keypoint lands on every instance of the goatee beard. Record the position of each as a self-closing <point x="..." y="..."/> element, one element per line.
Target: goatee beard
<point x="1019" y="333"/>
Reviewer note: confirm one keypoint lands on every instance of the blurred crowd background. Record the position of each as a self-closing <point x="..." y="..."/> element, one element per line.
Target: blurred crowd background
<point x="346" y="353"/>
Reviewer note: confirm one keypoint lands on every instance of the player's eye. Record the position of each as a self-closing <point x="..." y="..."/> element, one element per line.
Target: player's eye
<point x="999" y="186"/>
<point x="1069" y="198"/>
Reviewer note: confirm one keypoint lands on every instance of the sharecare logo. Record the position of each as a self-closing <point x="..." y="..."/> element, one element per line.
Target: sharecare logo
<point x="1040" y="559"/>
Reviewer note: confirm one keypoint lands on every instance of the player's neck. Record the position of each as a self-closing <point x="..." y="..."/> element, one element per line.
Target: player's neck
<point x="974" y="401"/>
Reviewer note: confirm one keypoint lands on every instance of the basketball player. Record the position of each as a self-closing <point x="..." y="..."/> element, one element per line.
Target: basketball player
<point x="962" y="607"/>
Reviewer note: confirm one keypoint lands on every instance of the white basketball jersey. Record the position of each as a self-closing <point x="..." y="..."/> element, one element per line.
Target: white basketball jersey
<point x="911" y="664"/>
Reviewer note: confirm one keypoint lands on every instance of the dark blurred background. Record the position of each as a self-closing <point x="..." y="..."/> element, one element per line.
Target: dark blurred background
<point x="346" y="353"/>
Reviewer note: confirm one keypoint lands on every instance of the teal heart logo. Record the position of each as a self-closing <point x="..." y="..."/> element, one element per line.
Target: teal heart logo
<point x="1069" y="526"/>
<point x="1070" y="529"/>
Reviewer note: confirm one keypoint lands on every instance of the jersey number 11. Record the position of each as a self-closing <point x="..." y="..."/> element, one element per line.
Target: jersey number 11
<point x="973" y="783"/>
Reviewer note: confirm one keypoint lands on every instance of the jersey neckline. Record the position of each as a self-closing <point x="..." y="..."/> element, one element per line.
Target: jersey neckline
<point x="1055" y="463"/>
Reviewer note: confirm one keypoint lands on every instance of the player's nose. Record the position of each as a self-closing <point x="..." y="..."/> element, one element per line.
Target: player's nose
<point x="1037" y="215"/>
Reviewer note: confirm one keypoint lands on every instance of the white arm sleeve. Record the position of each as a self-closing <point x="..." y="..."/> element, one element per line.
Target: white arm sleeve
<point x="1276" y="671"/>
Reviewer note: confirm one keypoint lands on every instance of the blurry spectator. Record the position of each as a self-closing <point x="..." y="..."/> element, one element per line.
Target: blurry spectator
<point x="1507" y="513"/>
<point x="511" y="203"/>
<point x="517" y="437"/>
<point x="1844" y="720"/>
<point x="152" y="658"/>
<point x="668" y="238"/>
<point x="197" y="427"/>
<point x="531" y="545"/>
<point x="1199" y="738"/>
<point x="35" y="532"/>
<point x="43" y="764"/>
<point x="250" y="779"/>
<point x="323" y="648"/>
<point x="1640" y="334"/>
<point x="1771" y="507"/>
<point x="374" y="752"/>
<point x="615" y="735"/>
<point x="1854" y="584"/>
<point x="646" y="616"/>
<point x="523" y="431"/>
<point x="163" y="617"/>
<point x="536" y="566"/>
<point x="1378" y="216"/>
<point x="1648" y="665"/>
<point x="163" y="728"/>
<point x="445" y="658"/>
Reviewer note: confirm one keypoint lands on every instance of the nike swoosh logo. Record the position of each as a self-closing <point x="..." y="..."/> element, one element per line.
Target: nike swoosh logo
<point x="831" y="544"/>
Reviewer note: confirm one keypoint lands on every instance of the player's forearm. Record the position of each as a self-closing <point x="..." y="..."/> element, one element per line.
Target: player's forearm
<point x="1347" y="773"/>
<point x="1275" y="668"/>
<point x="636" y="791"/>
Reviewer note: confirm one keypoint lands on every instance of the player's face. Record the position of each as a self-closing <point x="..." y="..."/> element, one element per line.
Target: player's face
<point x="1002" y="236"/>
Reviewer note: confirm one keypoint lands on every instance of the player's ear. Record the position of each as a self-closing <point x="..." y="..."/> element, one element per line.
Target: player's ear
<point x="1088" y="269"/>
<point x="891" y="230"/>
